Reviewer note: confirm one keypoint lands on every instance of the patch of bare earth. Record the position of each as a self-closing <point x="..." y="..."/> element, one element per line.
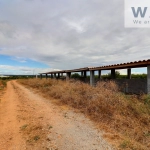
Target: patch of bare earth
<point x="29" y="121"/>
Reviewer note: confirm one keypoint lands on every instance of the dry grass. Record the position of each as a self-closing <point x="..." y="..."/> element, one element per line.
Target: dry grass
<point x="2" y="84"/>
<point x="125" y="118"/>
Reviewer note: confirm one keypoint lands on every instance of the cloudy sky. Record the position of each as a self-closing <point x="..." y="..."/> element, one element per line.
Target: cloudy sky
<point x="44" y="35"/>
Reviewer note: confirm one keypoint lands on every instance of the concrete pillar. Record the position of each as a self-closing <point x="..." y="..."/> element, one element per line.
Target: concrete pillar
<point x="68" y="75"/>
<point x="61" y="74"/>
<point x="51" y="75"/>
<point x="129" y="73"/>
<point x="41" y="76"/>
<point x="113" y="76"/>
<point x="85" y="75"/>
<point x="99" y="74"/>
<point x="92" y="78"/>
<point x="58" y="75"/>
<point x="54" y="75"/>
<point x="82" y="74"/>
<point x="148" y="79"/>
<point x="46" y="76"/>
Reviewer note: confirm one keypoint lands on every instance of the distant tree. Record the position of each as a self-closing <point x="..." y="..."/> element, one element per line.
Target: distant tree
<point x="117" y="75"/>
<point x="75" y="76"/>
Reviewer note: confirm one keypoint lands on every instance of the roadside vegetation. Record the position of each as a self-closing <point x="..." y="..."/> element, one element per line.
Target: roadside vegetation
<point x="3" y="84"/>
<point x="13" y="77"/>
<point x="124" y="118"/>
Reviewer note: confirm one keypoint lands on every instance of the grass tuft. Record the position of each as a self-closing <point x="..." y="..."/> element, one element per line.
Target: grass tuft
<point x="36" y="138"/>
<point x="124" y="144"/>
<point x="23" y="127"/>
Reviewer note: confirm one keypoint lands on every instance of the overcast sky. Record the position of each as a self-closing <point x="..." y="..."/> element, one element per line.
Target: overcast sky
<point x="42" y="35"/>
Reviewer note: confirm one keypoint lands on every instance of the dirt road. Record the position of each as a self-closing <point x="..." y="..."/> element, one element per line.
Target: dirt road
<point x="30" y="121"/>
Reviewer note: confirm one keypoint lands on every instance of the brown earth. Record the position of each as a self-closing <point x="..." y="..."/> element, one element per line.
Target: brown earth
<point x="30" y="121"/>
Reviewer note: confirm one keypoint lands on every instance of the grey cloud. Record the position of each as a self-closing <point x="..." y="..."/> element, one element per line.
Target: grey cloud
<point x="7" y="70"/>
<point x="71" y="34"/>
<point x="6" y="29"/>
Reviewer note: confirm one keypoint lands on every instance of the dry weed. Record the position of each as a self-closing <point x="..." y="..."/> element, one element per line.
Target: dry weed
<point x="126" y="116"/>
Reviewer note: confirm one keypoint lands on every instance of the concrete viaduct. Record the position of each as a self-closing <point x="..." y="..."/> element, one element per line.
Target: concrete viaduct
<point x="128" y="66"/>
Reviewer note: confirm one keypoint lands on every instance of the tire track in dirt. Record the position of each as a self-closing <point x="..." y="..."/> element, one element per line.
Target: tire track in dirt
<point x="29" y="121"/>
<point x="9" y="133"/>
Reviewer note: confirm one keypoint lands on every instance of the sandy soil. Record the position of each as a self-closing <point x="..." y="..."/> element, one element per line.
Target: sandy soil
<point x="30" y="121"/>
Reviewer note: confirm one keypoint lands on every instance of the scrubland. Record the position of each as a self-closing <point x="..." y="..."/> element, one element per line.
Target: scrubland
<point x="125" y="119"/>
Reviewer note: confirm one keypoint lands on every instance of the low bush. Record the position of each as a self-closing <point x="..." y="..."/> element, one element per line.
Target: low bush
<point x="3" y="84"/>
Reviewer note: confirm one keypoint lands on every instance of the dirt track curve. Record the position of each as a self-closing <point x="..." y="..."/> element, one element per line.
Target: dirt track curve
<point x="29" y="121"/>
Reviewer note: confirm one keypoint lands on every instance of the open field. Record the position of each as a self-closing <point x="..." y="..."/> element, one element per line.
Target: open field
<point x="124" y="118"/>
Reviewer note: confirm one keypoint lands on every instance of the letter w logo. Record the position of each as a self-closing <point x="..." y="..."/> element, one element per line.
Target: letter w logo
<point x="139" y="10"/>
